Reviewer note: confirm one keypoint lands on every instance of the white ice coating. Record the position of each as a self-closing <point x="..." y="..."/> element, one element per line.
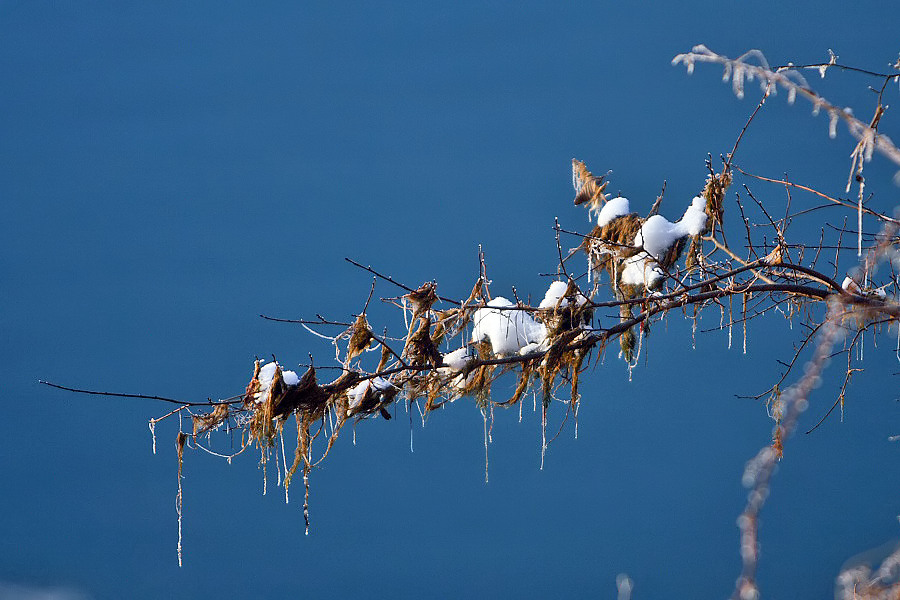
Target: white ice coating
<point x="617" y="207"/>
<point x="507" y="330"/>
<point x="658" y="234"/>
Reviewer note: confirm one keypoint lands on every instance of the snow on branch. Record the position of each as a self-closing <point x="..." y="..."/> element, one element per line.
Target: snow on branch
<point x="640" y="269"/>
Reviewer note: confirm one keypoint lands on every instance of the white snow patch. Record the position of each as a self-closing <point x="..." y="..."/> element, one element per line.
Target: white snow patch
<point x="456" y="362"/>
<point x="532" y="347"/>
<point x="694" y="220"/>
<point x="357" y="394"/>
<point x="613" y="209"/>
<point x="507" y="330"/>
<point x="459" y="359"/>
<point x="658" y="234"/>
<point x="556" y="291"/>
<point x="266" y="377"/>
<point x="643" y="271"/>
<point x="266" y="374"/>
<point x="851" y="286"/>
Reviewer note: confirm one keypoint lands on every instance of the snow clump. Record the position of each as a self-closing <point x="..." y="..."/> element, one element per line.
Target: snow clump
<point x="613" y="209"/>
<point x="459" y="359"/>
<point x="640" y="271"/>
<point x="379" y="386"/>
<point x="507" y="330"/>
<point x="556" y="291"/>
<point x="658" y="234"/>
<point x="267" y="376"/>
<point x="456" y="362"/>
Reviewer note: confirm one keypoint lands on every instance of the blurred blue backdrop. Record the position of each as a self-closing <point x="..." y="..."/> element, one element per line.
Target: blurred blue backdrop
<point x="171" y="170"/>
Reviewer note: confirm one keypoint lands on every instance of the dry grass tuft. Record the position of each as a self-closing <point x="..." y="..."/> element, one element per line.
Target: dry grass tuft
<point x="360" y="337"/>
<point x="210" y="421"/>
<point x="589" y="189"/>
<point x="714" y="194"/>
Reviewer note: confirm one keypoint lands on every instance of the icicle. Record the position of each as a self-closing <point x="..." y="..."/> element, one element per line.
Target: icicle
<point x="278" y="469"/>
<point x="484" y="416"/>
<point x="405" y="317"/>
<point x="721" y="317"/>
<point x="577" y="406"/>
<point x="354" y="434"/>
<point x="306" y="498"/>
<point x="152" y="425"/>
<point x="410" y="430"/>
<point x="284" y="462"/>
<point x="898" y="358"/>
<point x="624" y="585"/>
<point x="178" y="510"/>
<point x="898" y="343"/>
<point x="737" y="80"/>
<point x="730" y="318"/>
<point x="832" y="123"/>
<point x="265" y="479"/>
<point x="543" y="436"/>
<point x="870" y="144"/>
<point x="421" y="413"/>
<point x="179" y="447"/>
<point x="694" y="330"/>
<point x="491" y="428"/>
<point x="744" y="315"/>
<point x="817" y="106"/>
<point x="859" y="207"/>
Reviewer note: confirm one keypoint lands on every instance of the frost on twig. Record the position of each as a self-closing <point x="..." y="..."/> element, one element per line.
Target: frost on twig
<point x="739" y="70"/>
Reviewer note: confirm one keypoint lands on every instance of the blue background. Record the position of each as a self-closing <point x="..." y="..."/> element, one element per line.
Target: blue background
<point x="170" y="170"/>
